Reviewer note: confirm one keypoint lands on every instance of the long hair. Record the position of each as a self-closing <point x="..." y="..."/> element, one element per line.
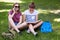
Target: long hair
<point x="15" y="4"/>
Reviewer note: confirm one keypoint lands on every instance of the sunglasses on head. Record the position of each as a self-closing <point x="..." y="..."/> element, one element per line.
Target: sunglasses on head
<point x="17" y="6"/>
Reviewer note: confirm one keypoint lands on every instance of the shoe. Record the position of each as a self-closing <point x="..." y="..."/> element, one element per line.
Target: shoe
<point x="35" y="34"/>
<point x="28" y="31"/>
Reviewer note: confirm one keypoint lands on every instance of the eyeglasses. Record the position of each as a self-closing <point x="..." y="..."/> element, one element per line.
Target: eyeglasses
<point x="17" y="6"/>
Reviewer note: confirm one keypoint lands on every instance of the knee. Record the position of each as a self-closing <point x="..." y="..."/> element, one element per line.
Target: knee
<point x="25" y="23"/>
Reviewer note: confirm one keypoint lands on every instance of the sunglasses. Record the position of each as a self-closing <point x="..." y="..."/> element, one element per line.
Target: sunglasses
<point x="17" y="6"/>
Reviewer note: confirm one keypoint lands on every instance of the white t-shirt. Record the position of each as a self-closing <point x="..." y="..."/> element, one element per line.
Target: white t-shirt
<point x="27" y="12"/>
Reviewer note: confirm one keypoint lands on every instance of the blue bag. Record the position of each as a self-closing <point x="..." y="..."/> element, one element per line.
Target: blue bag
<point x="46" y="27"/>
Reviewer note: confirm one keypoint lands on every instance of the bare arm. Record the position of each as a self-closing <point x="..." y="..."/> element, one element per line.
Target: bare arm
<point x="11" y="15"/>
<point x="36" y="17"/>
<point x="20" y="21"/>
<point x="24" y="19"/>
<point x="13" y="12"/>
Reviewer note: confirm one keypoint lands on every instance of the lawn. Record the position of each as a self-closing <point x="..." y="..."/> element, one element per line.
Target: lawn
<point x="41" y="5"/>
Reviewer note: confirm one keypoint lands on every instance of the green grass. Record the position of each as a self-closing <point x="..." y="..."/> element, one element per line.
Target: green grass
<point x="40" y="4"/>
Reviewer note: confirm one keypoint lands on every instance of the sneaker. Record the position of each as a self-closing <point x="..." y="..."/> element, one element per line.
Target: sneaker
<point x="35" y="34"/>
<point x="28" y="31"/>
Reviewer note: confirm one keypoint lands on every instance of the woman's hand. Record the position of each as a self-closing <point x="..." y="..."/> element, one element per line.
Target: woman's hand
<point x="37" y="21"/>
<point x="13" y="13"/>
<point x="18" y="24"/>
<point x="14" y="10"/>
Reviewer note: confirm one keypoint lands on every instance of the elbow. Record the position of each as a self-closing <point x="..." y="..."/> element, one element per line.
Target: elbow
<point x="9" y="18"/>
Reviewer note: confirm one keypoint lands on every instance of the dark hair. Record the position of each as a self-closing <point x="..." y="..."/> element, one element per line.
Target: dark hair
<point x="32" y="5"/>
<point x="18" y="4"/>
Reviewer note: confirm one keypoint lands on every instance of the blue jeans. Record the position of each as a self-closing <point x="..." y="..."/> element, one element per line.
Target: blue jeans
<point x="16" y="23"/>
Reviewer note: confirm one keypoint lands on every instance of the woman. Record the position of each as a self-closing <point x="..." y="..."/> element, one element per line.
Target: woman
<point x="32" y="11"/>
<point x="15" y="18"/>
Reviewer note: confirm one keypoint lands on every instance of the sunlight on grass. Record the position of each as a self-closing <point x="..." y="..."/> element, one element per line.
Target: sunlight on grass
<point x="43" y="11"/>
<point x="57" y="19"/>
<point x="2" y="22"/>
<point x="55" y="11"/>
<point x="4" y="10"/>
<point x="12" y="1"/>
<point x="9" y="4"/>
<point x="58" y="32"/>
<point x="48" y="11"/>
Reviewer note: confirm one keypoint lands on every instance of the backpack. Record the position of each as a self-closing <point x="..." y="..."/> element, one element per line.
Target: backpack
<point x="46" y="27"/>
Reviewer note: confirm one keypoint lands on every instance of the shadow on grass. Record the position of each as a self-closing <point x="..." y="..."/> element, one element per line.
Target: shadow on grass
<point x="41" y="36"/>
<point x="4" y="5"/>
<point x="41" y="4"/>
<point x="45" y="4"/>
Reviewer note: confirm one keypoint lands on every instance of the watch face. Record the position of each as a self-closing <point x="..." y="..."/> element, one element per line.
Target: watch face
<point x="30" y="18"/>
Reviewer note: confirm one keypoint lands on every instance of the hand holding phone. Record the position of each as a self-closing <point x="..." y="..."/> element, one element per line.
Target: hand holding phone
<point x="14" y="10"/>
